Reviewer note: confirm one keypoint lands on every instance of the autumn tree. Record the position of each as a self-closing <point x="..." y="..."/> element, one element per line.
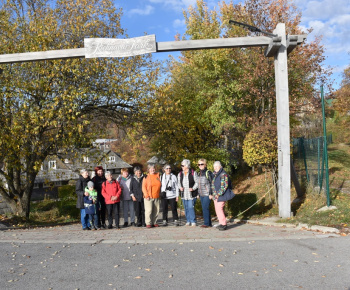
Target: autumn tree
<point x="47" y="106"/>
<point x="342" y="104"/>
<point x="221" y="94"/>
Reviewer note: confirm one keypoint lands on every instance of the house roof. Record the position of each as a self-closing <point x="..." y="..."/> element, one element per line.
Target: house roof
<point x="96" y="157"/>
<point x="55" y="175"/>
<point x="156" y="160"/>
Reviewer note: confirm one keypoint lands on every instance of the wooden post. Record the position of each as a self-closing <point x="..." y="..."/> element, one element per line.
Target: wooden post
<point x="283" y="130"/>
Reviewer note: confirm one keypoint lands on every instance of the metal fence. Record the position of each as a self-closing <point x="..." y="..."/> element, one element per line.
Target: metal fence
<point x="309" y="161"/>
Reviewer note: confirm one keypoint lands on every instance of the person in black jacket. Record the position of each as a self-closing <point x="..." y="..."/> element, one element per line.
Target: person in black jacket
<point x="137" y="196"/>
<point x="98" y="179"/>
<point x="80" y="191"/>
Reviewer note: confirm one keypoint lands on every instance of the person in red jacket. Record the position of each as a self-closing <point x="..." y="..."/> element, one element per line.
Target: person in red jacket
<point x="111" y="192"/>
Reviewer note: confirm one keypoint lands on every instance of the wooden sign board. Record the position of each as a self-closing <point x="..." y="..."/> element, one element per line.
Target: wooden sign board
<point x="108" y="47"/>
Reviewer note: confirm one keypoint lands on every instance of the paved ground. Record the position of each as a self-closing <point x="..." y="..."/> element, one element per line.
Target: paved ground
<point x="262" y="230"/>
<point x="246" y="256"/>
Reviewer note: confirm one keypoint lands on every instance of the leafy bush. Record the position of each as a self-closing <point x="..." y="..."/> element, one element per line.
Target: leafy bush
<point x="260" y="146"/>
<point x="66" y="191"/>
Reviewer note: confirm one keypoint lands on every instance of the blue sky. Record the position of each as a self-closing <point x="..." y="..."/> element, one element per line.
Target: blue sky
<point x="164" y="18"/>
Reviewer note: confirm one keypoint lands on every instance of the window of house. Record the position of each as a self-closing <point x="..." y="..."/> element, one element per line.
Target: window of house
<point x="36" y="185"/>
<point x="47" y="184"/>
<point x="57" y="183"/>
<point x="111" y="158"/>
<point x="52" y="164"/>
<point x="85" y="159"/>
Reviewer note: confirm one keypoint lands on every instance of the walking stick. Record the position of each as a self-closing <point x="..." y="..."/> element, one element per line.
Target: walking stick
<point x="180" y="208"/>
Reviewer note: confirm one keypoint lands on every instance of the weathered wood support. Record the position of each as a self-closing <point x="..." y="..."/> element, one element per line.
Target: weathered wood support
<point x="283" y="130"/>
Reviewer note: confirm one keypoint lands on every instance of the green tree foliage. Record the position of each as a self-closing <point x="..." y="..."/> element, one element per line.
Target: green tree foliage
<point x="214" y="97"/>
<point x="47" y="106"/>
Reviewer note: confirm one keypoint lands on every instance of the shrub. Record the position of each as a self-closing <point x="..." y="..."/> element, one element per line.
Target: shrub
<point x="66" y="191"/>
<point x="260" y="147"/>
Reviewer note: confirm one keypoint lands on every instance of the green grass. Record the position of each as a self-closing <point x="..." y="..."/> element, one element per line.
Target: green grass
<point x="338" y="218"/>
<point x="49" y="212"/>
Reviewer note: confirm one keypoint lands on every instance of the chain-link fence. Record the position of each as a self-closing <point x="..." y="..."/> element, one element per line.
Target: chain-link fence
<point x="309" y="161"/>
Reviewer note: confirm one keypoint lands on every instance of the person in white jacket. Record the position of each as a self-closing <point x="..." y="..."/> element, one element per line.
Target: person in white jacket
<point x="170" y="195"/>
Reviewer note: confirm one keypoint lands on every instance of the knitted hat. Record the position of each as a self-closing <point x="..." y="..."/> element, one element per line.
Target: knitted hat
<point x="90" y="184"/>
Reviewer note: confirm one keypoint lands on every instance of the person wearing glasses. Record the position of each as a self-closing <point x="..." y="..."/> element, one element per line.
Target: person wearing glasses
<point x="170" y="195"/>
<point x="188" y="185"/>
<point x="151" y="192"/>
<point x="205" y="178"/>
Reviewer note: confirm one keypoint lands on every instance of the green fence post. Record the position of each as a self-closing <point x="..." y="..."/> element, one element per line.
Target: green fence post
<point x="304" y="156"/>
<point x="325" y="147"/>
<point x="318" y="162"/>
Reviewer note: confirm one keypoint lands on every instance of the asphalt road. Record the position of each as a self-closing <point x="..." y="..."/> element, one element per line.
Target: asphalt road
<point x="243" y="257"/>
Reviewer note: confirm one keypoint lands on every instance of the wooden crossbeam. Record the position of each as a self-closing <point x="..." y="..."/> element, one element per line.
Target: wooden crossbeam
<point x="161" y="47"/>
<point x="272" y="45"/>
<point x="42" y="55"/>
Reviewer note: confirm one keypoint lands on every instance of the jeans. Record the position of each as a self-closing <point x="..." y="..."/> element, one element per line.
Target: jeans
<point x="128" y="206"/>
<point x="205" y="201"/>
<point x="84" y="218"/>
<point x="93" y="220"/>
<point x="189" y="210"/>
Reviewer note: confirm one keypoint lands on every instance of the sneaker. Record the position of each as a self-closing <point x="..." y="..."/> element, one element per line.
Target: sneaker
<point x="165" y="223"/>
<point x="125" y="225"/>
<point x="133" y="224"/>
<point x="193" y="224"/>
<point x="204" y="226"/>
<point x="148" y="226"/>
<point x="110" y="226"/>
<point x="223" y="228"/>
<point x="188" y="224"/>
<point x="176" y="223"/>
<point x="156" y="225"/>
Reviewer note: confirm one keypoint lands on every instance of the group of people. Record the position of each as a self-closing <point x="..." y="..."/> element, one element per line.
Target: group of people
<point x="142" y="196"/>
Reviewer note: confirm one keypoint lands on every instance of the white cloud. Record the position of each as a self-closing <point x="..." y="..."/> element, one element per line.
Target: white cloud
<point x="328" y="18"/>
<point x="177" y="5"/>
<point x="325" y="9"/>
<point x="179" y="23"/>
<point x="339" y="69"/>
<point x="146" y="11"/>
